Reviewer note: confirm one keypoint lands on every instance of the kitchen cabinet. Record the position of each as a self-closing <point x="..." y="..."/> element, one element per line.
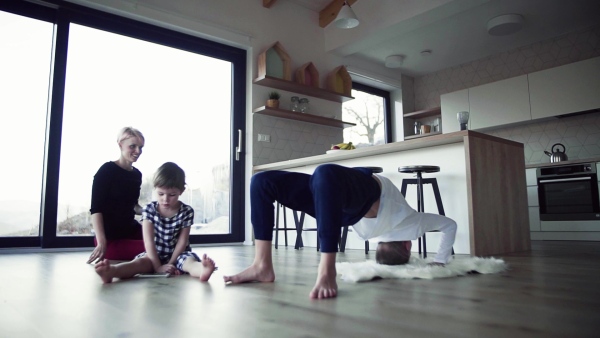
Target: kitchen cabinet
<point x="565" y="89"/>
<point x="303" y="89"/>
<point x="451" y="104"/>
<point x="499" y="103"/>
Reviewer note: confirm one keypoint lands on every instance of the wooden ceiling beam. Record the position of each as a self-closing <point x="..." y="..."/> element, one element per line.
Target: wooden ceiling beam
<point x="330" y="12"/>
<point x="268" y="3"/>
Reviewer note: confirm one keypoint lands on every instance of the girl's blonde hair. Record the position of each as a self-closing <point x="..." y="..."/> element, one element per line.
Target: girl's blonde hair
<point x="127" y="132"/>
<point x="169" y="175"/>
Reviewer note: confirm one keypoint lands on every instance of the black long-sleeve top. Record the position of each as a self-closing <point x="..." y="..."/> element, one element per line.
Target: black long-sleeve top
<point x="115" y="192"/>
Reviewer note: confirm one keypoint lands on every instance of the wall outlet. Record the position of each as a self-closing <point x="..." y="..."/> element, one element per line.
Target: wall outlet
<point x="264" y="138"/>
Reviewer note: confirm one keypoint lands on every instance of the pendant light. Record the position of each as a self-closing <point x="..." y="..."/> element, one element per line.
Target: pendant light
<point x="346" y="18"/>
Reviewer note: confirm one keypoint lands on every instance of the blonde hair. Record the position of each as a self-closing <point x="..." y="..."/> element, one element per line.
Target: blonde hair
<point x="127" y="132"/>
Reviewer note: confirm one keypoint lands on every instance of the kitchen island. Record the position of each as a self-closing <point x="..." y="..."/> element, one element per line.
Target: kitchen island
<point x="481" y="180"/>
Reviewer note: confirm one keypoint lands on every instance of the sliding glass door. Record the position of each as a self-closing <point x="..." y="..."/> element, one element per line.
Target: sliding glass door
<point x="185" y="94"/>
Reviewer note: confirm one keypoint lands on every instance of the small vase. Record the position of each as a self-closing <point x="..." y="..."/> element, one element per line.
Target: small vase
<point x="273" y="103"/>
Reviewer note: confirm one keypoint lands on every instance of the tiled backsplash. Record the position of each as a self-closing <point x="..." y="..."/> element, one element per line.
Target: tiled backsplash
<point x="291" y="139"/>
<point x="579" y="134"/>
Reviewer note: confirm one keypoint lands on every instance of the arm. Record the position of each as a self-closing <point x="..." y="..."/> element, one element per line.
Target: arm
<point x="447" y="227"/>
<point x="150" y="246"/>
<point x="184" y="234"/>
<point x="100" y="249"/>
<point x="182" y="243"/>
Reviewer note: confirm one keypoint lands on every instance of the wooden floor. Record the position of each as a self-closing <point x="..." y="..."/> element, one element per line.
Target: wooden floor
<point x="552" y="291"/>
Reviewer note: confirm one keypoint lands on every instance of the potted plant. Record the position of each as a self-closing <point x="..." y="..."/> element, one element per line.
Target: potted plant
<point x="273" y="100"/>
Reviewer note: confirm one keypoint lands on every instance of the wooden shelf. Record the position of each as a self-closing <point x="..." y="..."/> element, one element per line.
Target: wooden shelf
<point x="292" y="115"/>
<point x="425" y="113"/>
<point x="422" y="135"/>
<point x="299" y="88"/>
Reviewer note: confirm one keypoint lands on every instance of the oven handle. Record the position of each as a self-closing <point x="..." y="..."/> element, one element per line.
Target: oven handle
<point x="566" y="179"/>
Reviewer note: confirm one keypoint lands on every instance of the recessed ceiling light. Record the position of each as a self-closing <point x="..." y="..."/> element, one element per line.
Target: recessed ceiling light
<point x="394" y="61"/>
<point x="426" y="52"/>
<point x="505" y="24"/>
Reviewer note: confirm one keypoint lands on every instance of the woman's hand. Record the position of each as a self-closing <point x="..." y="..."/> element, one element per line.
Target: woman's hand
<point x="98" y="253"/>
<point x="168" y="268"/>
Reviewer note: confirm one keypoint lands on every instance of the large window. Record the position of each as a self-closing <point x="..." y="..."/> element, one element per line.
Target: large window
<point x="24" y="76"/>
<point x="73" y="79"/>
<point x="181" y="101"/>
<point x="370" y="110"/>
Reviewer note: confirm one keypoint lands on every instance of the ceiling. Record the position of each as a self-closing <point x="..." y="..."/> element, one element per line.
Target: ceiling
<point x="454" y="30"/>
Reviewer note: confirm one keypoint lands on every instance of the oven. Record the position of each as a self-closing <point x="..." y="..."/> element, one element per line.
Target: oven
<point x="568" y="192"/>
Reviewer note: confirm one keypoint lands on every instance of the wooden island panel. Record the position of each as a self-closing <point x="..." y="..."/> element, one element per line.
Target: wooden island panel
<point x="498" y="215"/>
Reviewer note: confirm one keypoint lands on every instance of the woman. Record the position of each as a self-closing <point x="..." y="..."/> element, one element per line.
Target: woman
<point x="115" y="194"/>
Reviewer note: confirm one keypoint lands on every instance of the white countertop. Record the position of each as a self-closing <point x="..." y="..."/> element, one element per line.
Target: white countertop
<point x="420" y="143"/>
<point x="548" y="164"/>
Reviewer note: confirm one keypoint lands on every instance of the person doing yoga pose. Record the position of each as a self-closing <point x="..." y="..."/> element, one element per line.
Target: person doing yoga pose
<point x="337" y="196"/>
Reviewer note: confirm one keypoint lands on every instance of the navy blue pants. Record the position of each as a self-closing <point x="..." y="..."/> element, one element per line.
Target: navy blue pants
<point x="334" y="195"/>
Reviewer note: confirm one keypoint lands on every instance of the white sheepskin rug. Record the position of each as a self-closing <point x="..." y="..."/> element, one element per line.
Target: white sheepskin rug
<point x="418" y="268"/>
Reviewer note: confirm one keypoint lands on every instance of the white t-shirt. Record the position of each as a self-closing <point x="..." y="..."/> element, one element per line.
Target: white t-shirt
<point x="397" y="221"/>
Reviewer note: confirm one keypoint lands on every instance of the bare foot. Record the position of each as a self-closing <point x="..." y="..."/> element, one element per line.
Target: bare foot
<point x="325" y="287"/>
<point x="208" y="266"/>
<point x="254" y="273"/>
<point x="104" y="270"/>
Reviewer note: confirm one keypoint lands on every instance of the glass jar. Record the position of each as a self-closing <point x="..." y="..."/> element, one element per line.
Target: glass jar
<point x="304" y="105"/>
<point x="295" y="103"/>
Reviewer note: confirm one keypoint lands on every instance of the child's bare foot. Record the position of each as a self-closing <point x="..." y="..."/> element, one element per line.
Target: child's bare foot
<point x="254" y="273"/>
<point x="325" y="287"/>
<point x="208" y="267"/>
<point x="104" y="270"/>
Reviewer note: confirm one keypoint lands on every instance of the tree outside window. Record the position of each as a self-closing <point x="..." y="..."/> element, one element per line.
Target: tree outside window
<point x="369" y="111"/>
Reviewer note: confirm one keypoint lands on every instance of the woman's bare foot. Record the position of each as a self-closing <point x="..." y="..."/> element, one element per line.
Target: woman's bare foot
<point x="325" y="287"/>
<point x="104" y="270"/>
<point x="254" y="273"/>
<point x="208" y="267"/>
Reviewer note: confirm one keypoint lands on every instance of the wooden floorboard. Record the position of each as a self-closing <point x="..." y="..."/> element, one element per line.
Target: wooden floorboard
<point x="550" y="291"/>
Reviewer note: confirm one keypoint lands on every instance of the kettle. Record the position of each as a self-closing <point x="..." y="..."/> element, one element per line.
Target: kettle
<point x="556" y="155"/>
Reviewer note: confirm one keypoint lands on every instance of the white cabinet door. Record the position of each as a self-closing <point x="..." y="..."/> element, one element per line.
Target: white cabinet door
<point x="451" y="104"/>
<point x="566" y="89"/>
<point x="499" y="103"/>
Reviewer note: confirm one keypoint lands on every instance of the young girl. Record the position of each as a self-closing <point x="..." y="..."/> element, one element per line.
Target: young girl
<point x="166" y="227"/>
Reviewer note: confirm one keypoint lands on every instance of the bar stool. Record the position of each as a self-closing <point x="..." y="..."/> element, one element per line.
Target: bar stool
<point x="419" y="181"/>
<point x="285" y="228"/>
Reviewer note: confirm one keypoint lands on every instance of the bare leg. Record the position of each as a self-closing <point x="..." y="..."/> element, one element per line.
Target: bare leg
<point x="202" y="270"/>
<point x="107" y="272"/>
<point x="326" y="285"/>
<point x="262" y="268"/>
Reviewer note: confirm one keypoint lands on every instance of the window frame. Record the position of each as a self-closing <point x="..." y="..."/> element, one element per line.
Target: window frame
<point x="61" y="14"/>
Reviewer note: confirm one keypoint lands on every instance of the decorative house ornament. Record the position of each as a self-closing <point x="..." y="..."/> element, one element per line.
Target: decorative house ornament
<point x="339" y="81"/>
<point x="274" y="62"/>
<point x="308" y="75"/>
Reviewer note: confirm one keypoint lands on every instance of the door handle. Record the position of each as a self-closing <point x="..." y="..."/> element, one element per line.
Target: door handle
<point x="238" y="149"/>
